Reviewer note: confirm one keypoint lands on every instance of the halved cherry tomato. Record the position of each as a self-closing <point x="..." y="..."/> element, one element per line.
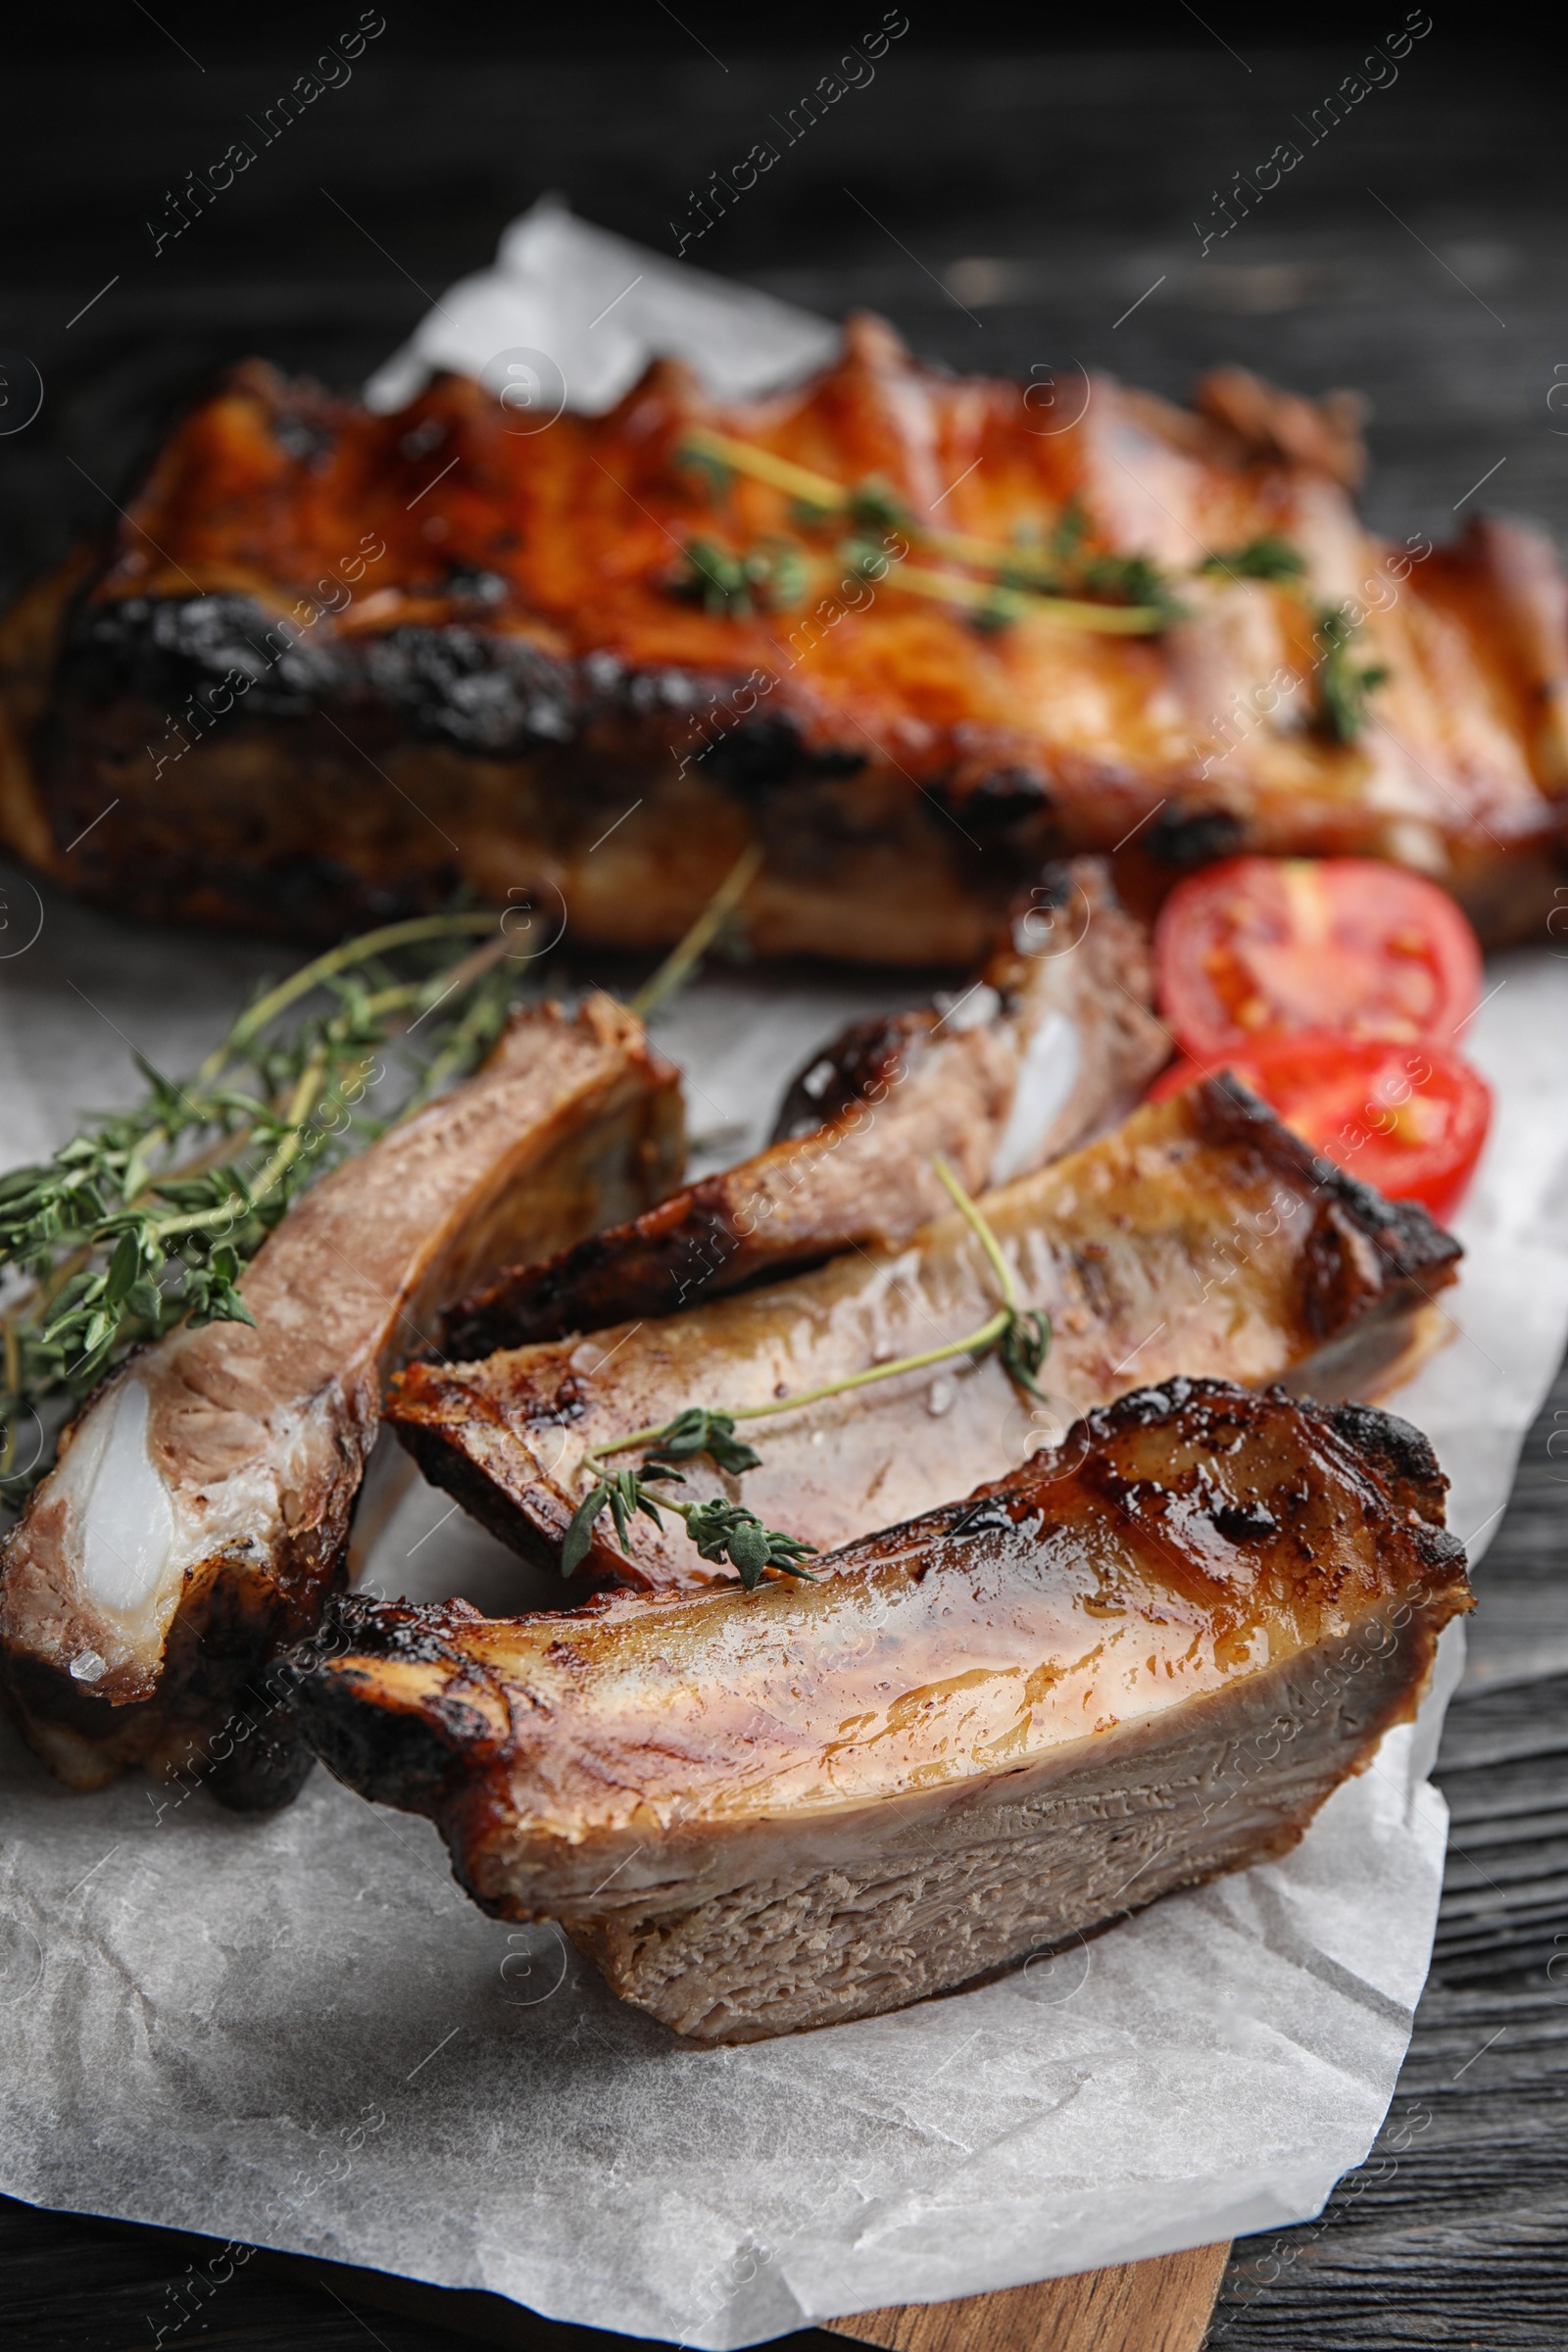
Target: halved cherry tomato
<point x="1409" y="1119"/>
<point x="1265" y="947"/>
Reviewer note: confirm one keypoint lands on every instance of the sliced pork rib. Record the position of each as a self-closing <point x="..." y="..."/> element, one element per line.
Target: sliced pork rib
<point x="198" y="1513"/>
<point x="485" y="647"/>
<point x="1201" y="1237"/>
<point x="1054" y="1042"/>
<point x="1138" y="1661"/>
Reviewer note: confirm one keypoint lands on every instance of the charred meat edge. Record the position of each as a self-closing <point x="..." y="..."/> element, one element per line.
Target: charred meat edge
<point x="1202" y="1236"/>
<point x="236" y="1452"/>
<point x="1067" y="993"/>
<point x="987" y="1731"/>
<point x="524" y="703"/>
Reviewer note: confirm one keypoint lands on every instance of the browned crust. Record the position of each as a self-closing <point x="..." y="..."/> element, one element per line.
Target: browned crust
<point x="812" y="1949"/>
<point x="843" y="769"/>
<point x="438" y="1710"/>
<point x="1324" y="434"/>
<point x="852" y="1162"/>
<point x="427" y="1756"/>
<point x="1407" y="1241"/>
<point x="1358" y="1275"/>
<point x="614" y="1131"/>
<point x="706" y="1239"/>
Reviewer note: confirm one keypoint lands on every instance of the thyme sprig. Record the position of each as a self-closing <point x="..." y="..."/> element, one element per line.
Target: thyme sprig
<point x="1054" y="577"/>
<point x="720" y="1529"/>
<point x="723" y="1530"/>
<point x="1022" y="581"/>
<point x="771" y="576"/>
<point x="1267" y="557"/>
<point x="149" y="1219"/>
<point x="1342" y="687"/>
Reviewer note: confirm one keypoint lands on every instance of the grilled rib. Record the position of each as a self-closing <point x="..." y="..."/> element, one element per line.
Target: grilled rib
<point x="1133" y="1665"/>
<point x="197" y="1517"/>
<point x="1052" y="1043"/>
<point x="1202" y="1236"/>
<point x="462" y="634"/>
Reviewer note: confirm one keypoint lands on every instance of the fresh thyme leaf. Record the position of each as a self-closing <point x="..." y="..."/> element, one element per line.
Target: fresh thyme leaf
<point x="720" y="1529"/>
<point x="579" y="1535"/>
<point x="1071" y="531"/>
<point x="713" y="577"/>
<point x="773" y="574"/>
<point x="1268" y="557"/>
<point x="211" y="1292"/>
<point x="148" y="1219"/>
<point x="622" y="1493"/>
<point x="1133" y="580"/>
<point x="723" y="1530"/>
<point x="699" y="1431"/>
<point x="715" y="475"/>
<point x="1023" y="1348"/>
<point x="777" y="574"/>
<point x="864" y="558"/>
<point x="998" y="612"/>
<point x="876" y="508"/>
<point x="1343" y="689"/>
<point x="1062" y="566"/>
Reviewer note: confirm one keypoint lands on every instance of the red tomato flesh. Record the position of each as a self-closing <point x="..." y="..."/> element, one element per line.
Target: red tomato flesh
<point x="1266" y="947"/>
<point x="1409" y="1119"/>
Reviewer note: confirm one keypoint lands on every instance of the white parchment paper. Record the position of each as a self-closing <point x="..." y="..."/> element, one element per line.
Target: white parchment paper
<point x="298" y="2032"/>
<point x="596" y="309"/>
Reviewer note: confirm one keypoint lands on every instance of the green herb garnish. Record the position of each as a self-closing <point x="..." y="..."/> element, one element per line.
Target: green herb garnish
<point x="720" y="1529"/>
<point x="1068" y="533"/>
<point x="713" y="577"/>
<point x="725" y="1530"/>
<point x="876" y="508"/>
<point x="1023" y="1348"/>
<point x="998" y="611"/>
<point x="1265" y="559"/>
<point x="864" y="558"/>
<point x="1016" y="578"/>
<point x="1343" y="689"/>
<point x="1133" y="580"/>
<point x="710" y="468"/>
<point x="148" y="1221"/>
<point x="779" y="574"/>
<point x="698" y="1431"/>
<point x="773" y="574"/>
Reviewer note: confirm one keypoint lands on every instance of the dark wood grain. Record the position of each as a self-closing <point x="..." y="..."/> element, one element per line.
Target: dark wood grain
<point x="1074" y="179"/>
<point x="1456" y="2230"/>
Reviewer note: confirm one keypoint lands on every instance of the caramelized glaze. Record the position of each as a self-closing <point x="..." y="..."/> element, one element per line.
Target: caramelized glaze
<point x="490" y="620"/>
<point x="660" y="1773"/>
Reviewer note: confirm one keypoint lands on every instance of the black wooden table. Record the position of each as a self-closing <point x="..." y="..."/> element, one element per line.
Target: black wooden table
<point x="1007" y="209"/>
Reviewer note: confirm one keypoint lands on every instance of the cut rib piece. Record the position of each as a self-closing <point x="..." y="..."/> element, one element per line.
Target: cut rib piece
<point x="198" y="1513"/>
<point x="1137" y="1661"/>
<point x="1202" y="1236"/>
<point x="1052" y="1043"/>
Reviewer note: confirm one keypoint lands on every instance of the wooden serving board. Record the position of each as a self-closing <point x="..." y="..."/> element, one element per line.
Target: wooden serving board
<point x="1160" y="2305"/>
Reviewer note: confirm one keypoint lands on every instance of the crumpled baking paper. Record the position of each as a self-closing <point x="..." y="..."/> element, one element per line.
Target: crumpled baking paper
<point x="297" y="2033"/>
<point x="585" y="311"/>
